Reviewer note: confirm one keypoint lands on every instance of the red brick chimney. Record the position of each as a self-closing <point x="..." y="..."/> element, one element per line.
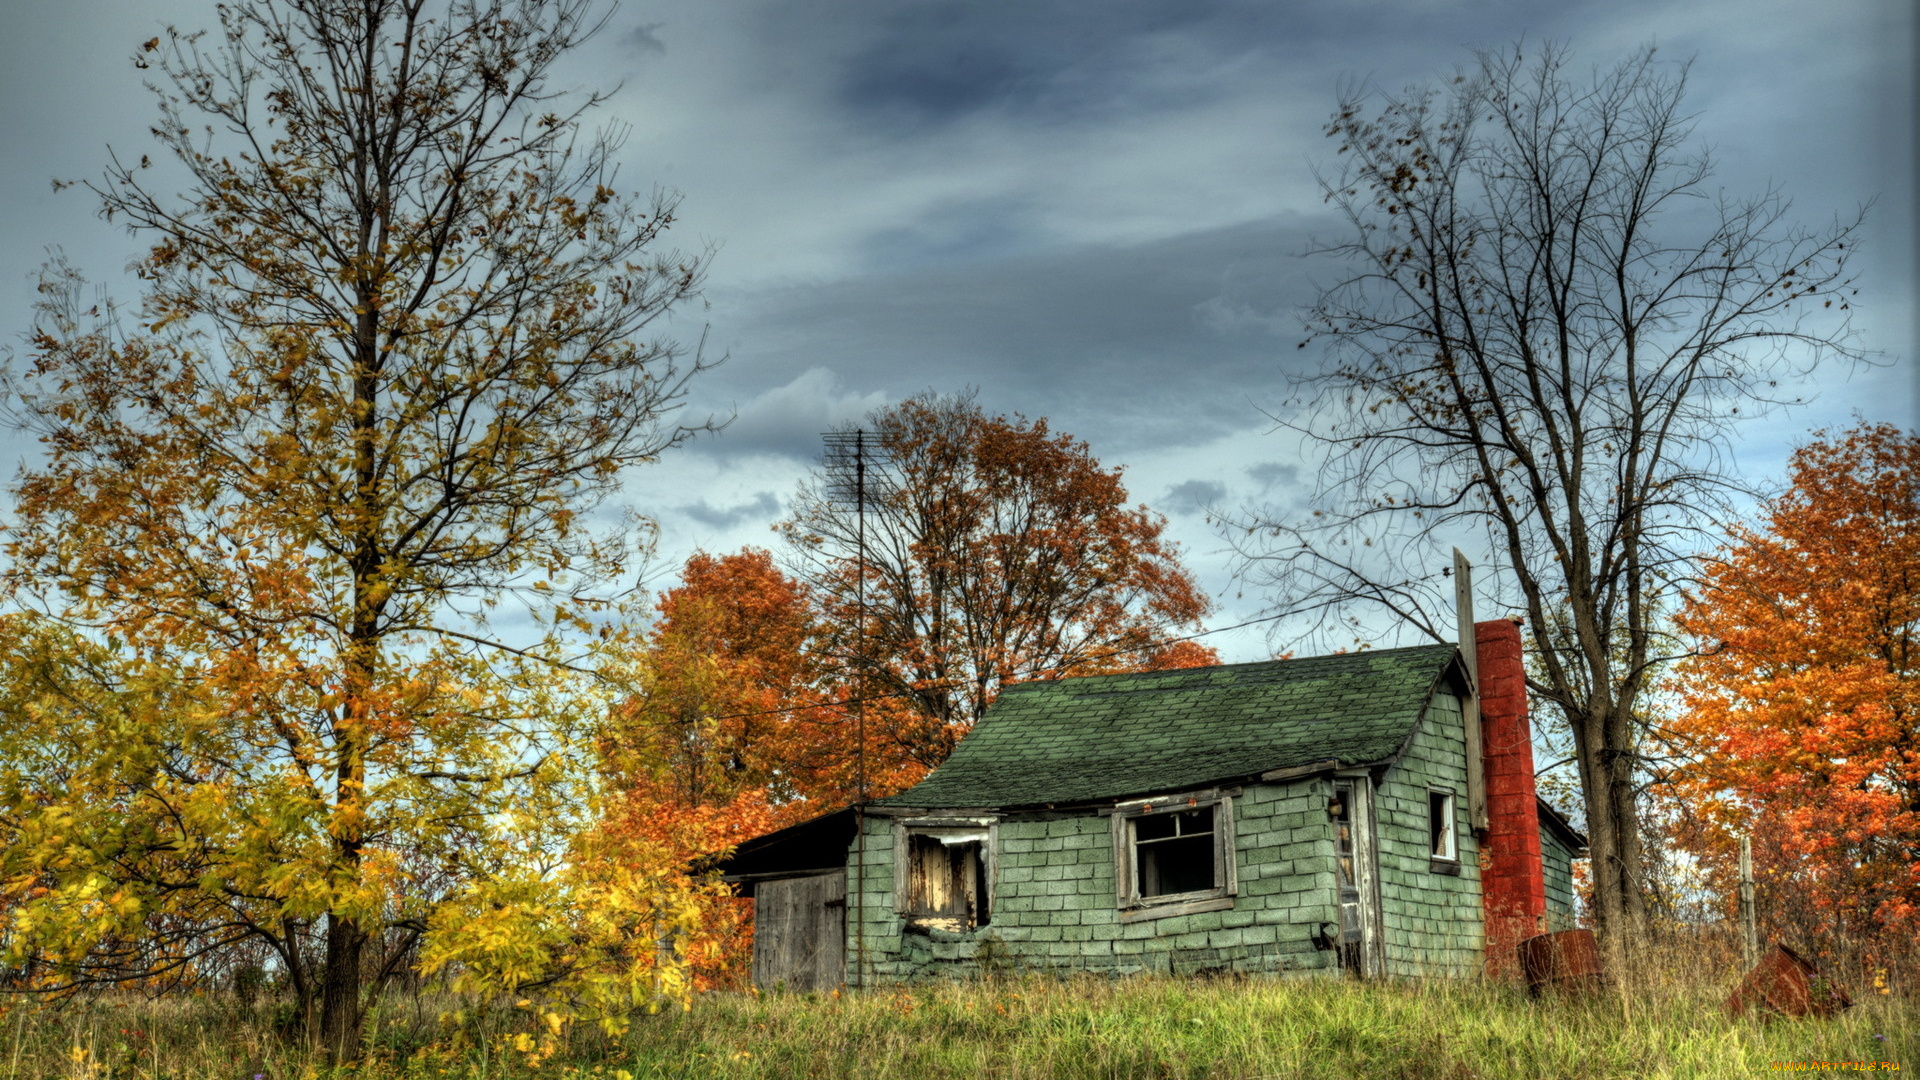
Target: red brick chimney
<point x="1513" y="890"/>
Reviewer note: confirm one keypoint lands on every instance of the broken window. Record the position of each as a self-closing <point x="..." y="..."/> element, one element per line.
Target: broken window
<point x="946" y="878"/>
<point x="1173" y="853"/>
<point x="1440" y="826"/>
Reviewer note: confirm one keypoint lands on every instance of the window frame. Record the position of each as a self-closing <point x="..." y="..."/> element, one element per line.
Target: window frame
<point x="1445" y="859"/>
<point x="1136" y="908"/>
<point x="983" y="830"/>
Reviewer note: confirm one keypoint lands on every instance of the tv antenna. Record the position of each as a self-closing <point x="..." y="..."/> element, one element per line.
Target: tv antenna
<point x="848" y="477"/>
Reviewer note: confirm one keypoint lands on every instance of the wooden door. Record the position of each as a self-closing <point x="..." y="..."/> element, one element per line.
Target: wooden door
<point x="800" y="932"/>
<point x="1357" y="872"/>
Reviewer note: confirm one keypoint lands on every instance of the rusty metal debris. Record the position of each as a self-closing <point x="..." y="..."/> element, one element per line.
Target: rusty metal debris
<point x="1563" y="962"/>
<point x="1785" y="983"/>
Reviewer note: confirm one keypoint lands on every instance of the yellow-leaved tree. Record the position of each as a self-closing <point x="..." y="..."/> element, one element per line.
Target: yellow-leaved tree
<point x="312" y="664"/>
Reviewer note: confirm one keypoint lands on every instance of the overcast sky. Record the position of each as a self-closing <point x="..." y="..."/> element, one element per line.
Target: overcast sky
<point x="1091" y="212"/>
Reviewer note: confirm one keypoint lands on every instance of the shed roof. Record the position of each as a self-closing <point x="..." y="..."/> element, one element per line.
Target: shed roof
<point x="1112" y="736"/>
<point x="1553" y="821"/>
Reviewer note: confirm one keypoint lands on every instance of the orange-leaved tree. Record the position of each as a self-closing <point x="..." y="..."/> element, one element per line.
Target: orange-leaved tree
<point x="994" y="550"/>
<point x="1175" y="655"/>
<point x="691" y="753"/>
<point x="728" y="668"/>
<point x="1802" y="709"/>
<point x="737" y="728"/>
<point x="737" y="696"/>
<point x="397" y="341"/>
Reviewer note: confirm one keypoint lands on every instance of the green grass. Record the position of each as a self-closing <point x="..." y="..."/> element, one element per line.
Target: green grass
<point x="1164" y="1028"/>
<point x="1033" y="1027"/>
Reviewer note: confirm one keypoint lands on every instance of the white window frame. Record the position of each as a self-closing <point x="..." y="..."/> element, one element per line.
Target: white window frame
<point x="1449" y="849"/>
<point x="948" y="830"/>
<point x="1136" y="908"/>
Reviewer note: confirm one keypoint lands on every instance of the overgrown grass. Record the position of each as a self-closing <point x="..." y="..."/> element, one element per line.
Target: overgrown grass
<point x="1656" y="1023"/>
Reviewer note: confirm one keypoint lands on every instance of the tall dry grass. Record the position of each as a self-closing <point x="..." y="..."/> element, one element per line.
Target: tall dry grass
<point x="1660" y="1016"/>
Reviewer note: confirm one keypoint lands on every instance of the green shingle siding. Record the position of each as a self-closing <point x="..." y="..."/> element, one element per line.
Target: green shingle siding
<point x="1557" y="864"/>
<point x="1432" y="920"/>
<point x="1053" y="917"/>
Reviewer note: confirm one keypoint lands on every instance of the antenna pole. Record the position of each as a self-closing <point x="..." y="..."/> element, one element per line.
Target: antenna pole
<point x="860" y="607"/>
<point x="846" y="481"/>
<point x="860" y="700"/>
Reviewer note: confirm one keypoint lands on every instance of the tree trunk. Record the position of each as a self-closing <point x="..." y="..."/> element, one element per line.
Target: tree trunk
<point x="340" y="990"/>
<point x="341" y="1004"/>
<point x="340" y="1001"/>
<point x="1613" y="826"/>
<point x="288" y="946"/>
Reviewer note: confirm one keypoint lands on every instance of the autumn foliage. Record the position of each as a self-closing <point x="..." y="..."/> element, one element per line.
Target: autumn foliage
<point x="736" y="728"/>
<point x="726" y="657"/>
<point x="994" y="550"/>
<point x="1802" y="710"/>
<point x="395" y="345"/>
<point x="739" y="699"/>
<point x="997" y="551"/>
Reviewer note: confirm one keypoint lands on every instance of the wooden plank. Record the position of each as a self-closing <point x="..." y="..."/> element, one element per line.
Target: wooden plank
<point x="773" y="930"/>
<point x="1366" y="861"/>
<point x="1294" y="772"/>
<point x="1470" y="704"/>
<point x="902" y="870"/>
<point x="1183" y="907"/>
<point x="830" y="952"/>
<point x="1227" y="866"/>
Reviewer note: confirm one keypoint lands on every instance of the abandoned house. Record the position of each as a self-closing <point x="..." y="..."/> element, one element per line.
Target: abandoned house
<point x="1369" y="812"/>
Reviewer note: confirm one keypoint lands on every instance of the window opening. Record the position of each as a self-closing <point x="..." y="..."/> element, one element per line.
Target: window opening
<point x="1440" y="825"/>
<point x="1173" y="855"/>
<point x="1174" y="852"/>
<point x="947" y="881"/>
<point x="1340" y="809"/>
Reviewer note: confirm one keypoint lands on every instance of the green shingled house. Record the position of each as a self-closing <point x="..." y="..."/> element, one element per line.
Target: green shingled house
<point x="1310" y="815"/>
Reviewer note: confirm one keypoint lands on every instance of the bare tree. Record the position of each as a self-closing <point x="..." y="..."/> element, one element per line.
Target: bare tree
<point x="1552" y="326"/>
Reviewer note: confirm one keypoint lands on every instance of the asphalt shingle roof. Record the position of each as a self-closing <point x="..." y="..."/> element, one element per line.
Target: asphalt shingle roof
<point x="1112" y="736"/>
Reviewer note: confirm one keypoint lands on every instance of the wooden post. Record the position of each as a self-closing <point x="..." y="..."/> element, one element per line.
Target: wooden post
<point x="1749" y="936"/>
<point x="1470" y="705"/>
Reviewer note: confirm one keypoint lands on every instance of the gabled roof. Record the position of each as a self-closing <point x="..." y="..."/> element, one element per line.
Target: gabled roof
<point x="1113" y="736"/>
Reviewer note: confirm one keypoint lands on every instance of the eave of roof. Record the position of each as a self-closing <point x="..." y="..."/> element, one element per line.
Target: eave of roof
<point x="816" y="845"/>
